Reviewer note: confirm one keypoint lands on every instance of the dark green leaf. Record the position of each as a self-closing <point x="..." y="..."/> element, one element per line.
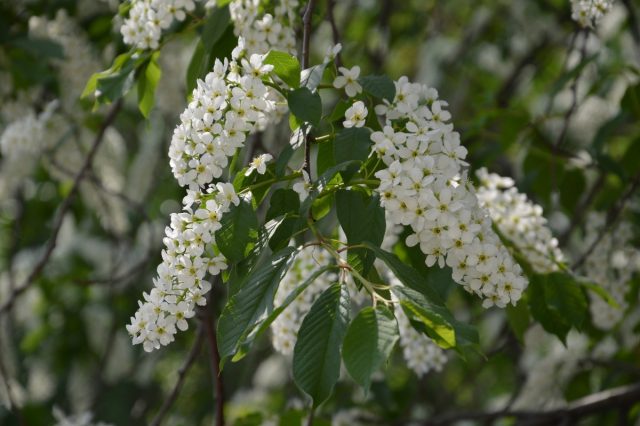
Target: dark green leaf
<point x="368" y="343"/>
<point x="316" y="356"/>
<point x="518" y="318"/>
<point x="239" y="229"/>
<point x="283" y="201"/>
<point x="305" y="105"/>
<point x="214" y="27"/>
<point x="352" y="144"/>
<point x="251" y="301"/>
<point x="406" y="274"/>
<point x="379" y="86"/>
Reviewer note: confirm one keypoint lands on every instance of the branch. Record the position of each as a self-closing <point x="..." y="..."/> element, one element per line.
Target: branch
<point x="182" y="374"/>
<point x="306" y="39"/>
<point x="620" y="397"/>
<point x="334" y="29"/>
<point x="306" y="32"/>
<point x="209" y="325"/>
<point x="64" y="208"/>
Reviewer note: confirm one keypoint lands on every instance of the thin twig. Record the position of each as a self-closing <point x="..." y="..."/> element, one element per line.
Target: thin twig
<point x="182" y="374"/>
<point x="334" y="29"/>
<point x="306" y="39"/>
<point x="209" y="325"/>
<point x="64" y="208"/>
<point x="620" y="397"/>
<point x="306" y="32"/>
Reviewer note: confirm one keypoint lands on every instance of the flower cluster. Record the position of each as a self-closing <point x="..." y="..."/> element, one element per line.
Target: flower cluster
<point x="611" y="265"/>
<point x="270" y="31"/>
<point x="79" y="61"/>
<point x="148" y="18"/>
<point x="587" y="13"/>
<point x="188" y="255"/>
<point x="230" y="103"/>
<point x="284" y="330"/>
<point x="519" y="220"/>
<point x="423" y="187"/>
<point x="21" y="144"/>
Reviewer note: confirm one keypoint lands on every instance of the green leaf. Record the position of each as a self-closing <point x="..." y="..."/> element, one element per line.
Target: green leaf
<point x="379" y="86"/>
<point x="362" y="219"/>
<point x="264" y="324"/>
<point x="565" y="296"/>
<point x="285" y="66"/>
<point x="202" y="59"/>
<point x="316" y="356"/>
<point x="251" y="301"/>
<point x="41" y="48"/>
<point x="352" y="144"/>
<point x="214" y="27"/>
<point x="519" y="319"/>
<point x="551" y="320"/>
<point x="117" y="84"/>
<point x="239" y="228"/>
<point x="283" y="201"/>
<point x="368" y="343"/>
<point x="406" y="274"/>
<point x="306" y="105"/>
<point x="631" y="101"/>
<point x="147" y="83"/>
<point x="435" y="320"/>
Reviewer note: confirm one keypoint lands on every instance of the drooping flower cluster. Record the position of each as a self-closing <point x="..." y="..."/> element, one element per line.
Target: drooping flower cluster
<point x="424" y="187"/>
<point x="21" y="144"/>
<point x="520" y="220"/>
<point x="79" y="60"/>
<point x="188" y="256"/>
<point x="230" y="103"/>
<point x="284" y="330"/>
<point x="587" y="13"/>
<point x="82" y="419"/>
<point x="611" y="265"/>
<point x="266" y="32"/>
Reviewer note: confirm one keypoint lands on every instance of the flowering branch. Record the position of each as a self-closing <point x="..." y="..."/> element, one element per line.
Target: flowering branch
<point x="64" y="208"/>
<point x="621" y="397"/>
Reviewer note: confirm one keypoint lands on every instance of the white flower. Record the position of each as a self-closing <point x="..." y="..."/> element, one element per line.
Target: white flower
<point x="303" y="188"/>
<point x="332" y="52"/>
<point x="348" y="80"/>
<point x="259" y="164"/>
<point x="355" y="115"/>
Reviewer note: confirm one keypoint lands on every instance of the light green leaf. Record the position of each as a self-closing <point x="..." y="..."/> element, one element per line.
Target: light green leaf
<point x="147" y="83"/>
<point x="285" y="66"/>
